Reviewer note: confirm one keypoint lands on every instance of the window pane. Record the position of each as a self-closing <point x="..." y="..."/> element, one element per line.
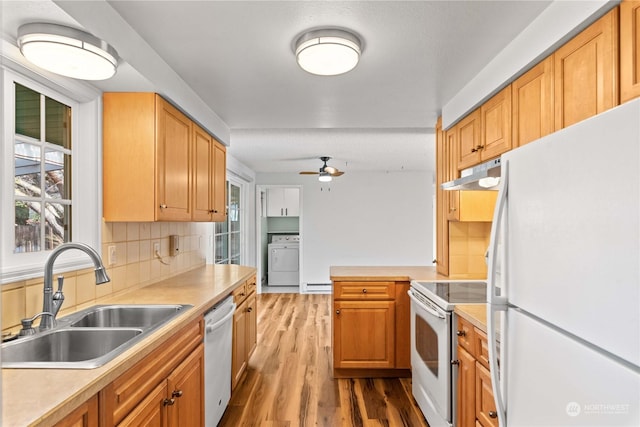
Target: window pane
<point x="27" y="170"/>
<point x="56" y="225"/>
<point x="56" y="170"/>
<point x="27" y="112"/>
<point x="235" y="244"/>
<point x="58" y="123"/>
<point x="222" y="250"/>
<point x="27" y="227"/>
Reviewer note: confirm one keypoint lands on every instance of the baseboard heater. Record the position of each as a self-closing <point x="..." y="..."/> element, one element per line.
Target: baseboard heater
<point x="318" y="288"/>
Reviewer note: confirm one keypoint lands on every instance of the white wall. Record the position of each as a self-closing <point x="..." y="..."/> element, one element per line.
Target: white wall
<point x="367" y="218"/>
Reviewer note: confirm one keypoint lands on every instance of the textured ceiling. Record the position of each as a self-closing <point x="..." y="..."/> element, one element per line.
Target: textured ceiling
<point x="237" y="57"/>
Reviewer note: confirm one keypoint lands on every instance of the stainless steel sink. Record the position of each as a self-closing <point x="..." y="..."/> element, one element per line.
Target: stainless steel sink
<point x="89" y="338"/>
<point x="126" y="316"/>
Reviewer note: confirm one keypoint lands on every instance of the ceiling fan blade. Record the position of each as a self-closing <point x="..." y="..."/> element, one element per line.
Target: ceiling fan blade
<point x="309" y="173"/>
<point x="336" y="173"/>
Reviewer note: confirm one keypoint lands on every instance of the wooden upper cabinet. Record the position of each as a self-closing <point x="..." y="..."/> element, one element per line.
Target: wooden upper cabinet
<point x="173" y="163"/>
<point x="532" y="103"/>
<point x="219" y="183"/>
<point x="209" y="175"/>
<point x="469" y="136"/>
<point x="442" y="205"/>
<point x="496" y="125"/>
<point x="158" y="165"/>
<point x="629" y="50"/>
<point x="586" y="78"/>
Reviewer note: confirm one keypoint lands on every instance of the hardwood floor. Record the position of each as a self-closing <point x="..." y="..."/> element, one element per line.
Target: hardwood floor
<point x="289" y="380"/>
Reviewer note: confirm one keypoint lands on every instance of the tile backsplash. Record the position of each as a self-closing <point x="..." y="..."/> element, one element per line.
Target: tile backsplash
<point x="135" y="265"/>
<point x="468" y="242"/>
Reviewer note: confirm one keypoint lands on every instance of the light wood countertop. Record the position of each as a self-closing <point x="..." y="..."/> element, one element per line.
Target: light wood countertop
<point x="392" y="273"/>
<point x="36" y="397"/>
<point x="476" y="314"/>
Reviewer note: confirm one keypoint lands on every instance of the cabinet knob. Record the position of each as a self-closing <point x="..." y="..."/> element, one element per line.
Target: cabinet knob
<point x="168" y="402"/>
<point x="480" y="147"/>
<point x="473" y="150"/>
<point x="461" y="333"/>
<point x="455" y="362"/>
<point x="163" y="206"/>
<point x="337" y="311"/>
<point x="364" y="291"/>
<point x="435" y="261"/>
<point x="493" y="414"/>
<point x="176" y="393"/>
<point x="452" y="209"/>
<point x="250" y="309"/>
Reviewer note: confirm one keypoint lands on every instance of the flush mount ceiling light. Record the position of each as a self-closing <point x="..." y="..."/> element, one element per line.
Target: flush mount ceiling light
<point x="328" y="52"/>
<point x="67" y="51"/>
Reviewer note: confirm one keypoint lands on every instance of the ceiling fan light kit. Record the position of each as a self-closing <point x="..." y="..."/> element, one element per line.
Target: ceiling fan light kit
<point x="325" y="173"/>
<point x="67" y="51"/>
<point x="328" y="52"/>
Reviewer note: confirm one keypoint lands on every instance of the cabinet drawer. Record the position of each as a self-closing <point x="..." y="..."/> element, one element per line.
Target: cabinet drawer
<point x="251" y="285"/>
<point x="465" y="333"/>
<point x="364" y="290"/>
<point x="481" y="347"/>
<point x="240" y="294"/>
<point x="123" y="394"/>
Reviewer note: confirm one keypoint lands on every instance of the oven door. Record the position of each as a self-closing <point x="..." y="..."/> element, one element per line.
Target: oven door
<point x="431" y="359"/>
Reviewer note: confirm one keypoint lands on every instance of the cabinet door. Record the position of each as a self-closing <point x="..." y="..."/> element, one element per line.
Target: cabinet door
<point x="219" y="183"/>
<point x="532" y="103"/>
<point x="291" y="202"/>
<point x="466" y="389"/>
<point x="203" y="168"/>
<point x="364" y="334"/>
<point x="485" y="403"/>
<point x="186" y="391"/>
<point x="452" y="147"/>
<point x="469" y="140"/>
<point x="151" y="412"/>
<point x="173" y="163"/>
<point x="84" y="416"/>
<point x="275" y="201"/>
<point x="442" y="201"/>
<point x="496" y="125"/>
<point x="585" y="70"/>
<point x="629" y="50"/>
<point x="239" y="348"/>
<point x="252" y="325"/>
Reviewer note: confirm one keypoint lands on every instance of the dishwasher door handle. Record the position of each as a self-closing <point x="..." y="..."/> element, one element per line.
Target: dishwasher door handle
<point x="219" y="323"/>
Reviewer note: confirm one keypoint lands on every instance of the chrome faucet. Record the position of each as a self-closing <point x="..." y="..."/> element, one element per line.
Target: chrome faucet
<point x="52" y="303"/>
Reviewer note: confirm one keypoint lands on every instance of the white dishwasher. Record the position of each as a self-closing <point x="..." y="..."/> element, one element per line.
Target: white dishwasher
<point x="218" y="329"/>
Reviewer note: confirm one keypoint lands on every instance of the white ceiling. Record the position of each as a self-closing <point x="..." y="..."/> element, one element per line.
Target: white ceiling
<point x="237" y="57"/>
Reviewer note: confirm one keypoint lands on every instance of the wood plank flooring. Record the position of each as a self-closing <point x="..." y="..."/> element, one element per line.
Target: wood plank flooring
<point x="289" y="380"/>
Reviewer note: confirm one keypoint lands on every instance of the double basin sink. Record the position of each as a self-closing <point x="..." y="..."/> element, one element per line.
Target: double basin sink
<point x="89" y="338"/>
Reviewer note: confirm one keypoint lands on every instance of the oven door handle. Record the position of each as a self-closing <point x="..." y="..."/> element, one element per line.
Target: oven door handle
<point x="425" y="307"/>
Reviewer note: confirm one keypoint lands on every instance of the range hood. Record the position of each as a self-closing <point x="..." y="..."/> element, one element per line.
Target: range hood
<point x="485" y="176"/>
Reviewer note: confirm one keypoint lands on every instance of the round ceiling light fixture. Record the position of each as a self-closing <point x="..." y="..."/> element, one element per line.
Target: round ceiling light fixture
<point x="67" y="51"/>
<point x="328" y="52"/>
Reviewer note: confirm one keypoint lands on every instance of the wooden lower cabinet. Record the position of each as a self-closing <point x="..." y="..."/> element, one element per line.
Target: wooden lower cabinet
<point x="166" y="388"/>
<point x="371" y="328"/>
<point x="245" y="329"/>
<point x="84" y="416"/>
<point x="475" y="404"/>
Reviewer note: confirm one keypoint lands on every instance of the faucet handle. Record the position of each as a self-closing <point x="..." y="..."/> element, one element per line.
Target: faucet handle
<point x="60" y="283"/>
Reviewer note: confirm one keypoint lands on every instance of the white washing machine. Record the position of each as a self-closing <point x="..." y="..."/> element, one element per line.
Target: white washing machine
<point x="284" y="260"/>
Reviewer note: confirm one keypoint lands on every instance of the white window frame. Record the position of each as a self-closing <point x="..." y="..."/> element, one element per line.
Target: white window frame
<point x="86" y="163"/>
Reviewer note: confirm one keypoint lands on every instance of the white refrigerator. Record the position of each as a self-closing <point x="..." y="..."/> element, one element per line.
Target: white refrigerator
<point x="564" y="277"/>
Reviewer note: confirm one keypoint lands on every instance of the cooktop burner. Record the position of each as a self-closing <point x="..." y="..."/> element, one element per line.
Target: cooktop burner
<point x="447" y="294"/>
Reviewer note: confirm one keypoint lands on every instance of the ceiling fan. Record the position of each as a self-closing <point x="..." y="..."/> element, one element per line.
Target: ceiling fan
<point x="325" y="172"/>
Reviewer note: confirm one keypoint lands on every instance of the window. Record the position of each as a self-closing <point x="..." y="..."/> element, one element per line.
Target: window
<point x="228" y="234"/>
<point x="50" y="171"/>
<point x="42" y="165"/>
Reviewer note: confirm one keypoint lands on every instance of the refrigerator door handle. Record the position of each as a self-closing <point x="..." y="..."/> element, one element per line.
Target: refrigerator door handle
<point x="497" y="303"/>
